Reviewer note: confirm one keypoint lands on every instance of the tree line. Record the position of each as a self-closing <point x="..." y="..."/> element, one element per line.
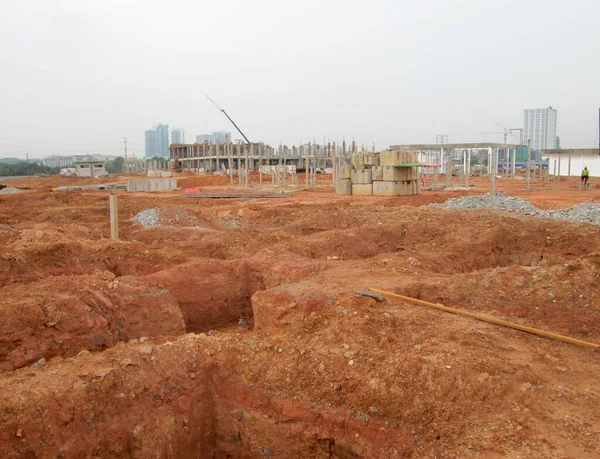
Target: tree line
<point x="25" y="168"/>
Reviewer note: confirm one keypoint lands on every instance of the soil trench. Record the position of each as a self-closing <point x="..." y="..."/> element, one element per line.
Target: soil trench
<point x="232" y="328"/>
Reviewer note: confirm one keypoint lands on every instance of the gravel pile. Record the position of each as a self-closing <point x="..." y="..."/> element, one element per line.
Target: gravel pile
<point x="147" y="217"/>
<point x="499" y="201"/>
<point x="581" y="213"/>
<point x="585" y="212"/>
<point x="172" y="217"/>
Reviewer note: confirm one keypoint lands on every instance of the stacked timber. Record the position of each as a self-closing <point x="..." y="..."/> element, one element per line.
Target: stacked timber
<point x="389" y="173"/>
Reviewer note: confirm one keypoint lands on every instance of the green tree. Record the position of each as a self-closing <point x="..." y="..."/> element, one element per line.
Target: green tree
<point x="116" y="167"/>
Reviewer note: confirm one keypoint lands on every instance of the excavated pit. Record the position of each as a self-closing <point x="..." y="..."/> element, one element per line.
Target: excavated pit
<point x="144" y="356"/>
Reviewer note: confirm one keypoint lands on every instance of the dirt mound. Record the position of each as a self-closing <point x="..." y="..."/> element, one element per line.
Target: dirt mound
<point x="203" y="180"/>
<point x="54" y="250"/>
<point x="376" y="371"/>
<point x="91" y="312"/>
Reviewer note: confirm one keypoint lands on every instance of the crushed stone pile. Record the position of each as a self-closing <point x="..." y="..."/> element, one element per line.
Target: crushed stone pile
<point x="166" y="217"/>
<point x="10" y="190"/>
<point x="498" y="201"/>
<point x="581" y="213"/>
<point x="585" y="212"/>
<point x="147" y="217"/>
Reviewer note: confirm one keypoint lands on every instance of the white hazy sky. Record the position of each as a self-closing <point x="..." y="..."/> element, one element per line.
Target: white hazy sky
<point x="79" y="75"/>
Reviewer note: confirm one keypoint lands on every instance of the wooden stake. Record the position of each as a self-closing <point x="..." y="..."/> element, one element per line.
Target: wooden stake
<point x="489" y="319"/>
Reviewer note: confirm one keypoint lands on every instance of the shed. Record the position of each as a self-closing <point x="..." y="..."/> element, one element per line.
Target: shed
<point x="90" y="168"/>
<point x="570" y="162"/>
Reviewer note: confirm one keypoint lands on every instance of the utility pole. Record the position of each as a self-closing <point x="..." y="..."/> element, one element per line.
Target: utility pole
<point x="125" y="146"/>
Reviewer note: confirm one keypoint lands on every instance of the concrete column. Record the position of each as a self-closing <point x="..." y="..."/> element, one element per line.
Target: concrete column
<point x="114" y="216"/>
<point x="247" y="166"/>
<point x="514" y="163"/>
<point x="307" y="167"/>
<point x="334" y="164"/>
<point x="467" y="166"/>
<point x="448" y="157"/>
<point x="494" y="159"/>
<point x="528" y="182"/>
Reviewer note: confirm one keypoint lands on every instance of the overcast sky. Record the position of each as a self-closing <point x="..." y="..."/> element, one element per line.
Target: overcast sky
<point x="79" y="75"/>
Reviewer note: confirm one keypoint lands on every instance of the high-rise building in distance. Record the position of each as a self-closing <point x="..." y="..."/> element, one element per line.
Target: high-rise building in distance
<point x="222" y="137"/>
<point x="157" y="141"/>
<point x="540" y="126"/>
<point x="177" y="136"/>
<point x="217" y="137"/>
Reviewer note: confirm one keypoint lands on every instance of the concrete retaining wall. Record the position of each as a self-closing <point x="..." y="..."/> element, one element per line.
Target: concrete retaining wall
<point x="153" y="184"/>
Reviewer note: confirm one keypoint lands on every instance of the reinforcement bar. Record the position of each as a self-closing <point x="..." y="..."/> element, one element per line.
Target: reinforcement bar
<point x="491" y="320"/>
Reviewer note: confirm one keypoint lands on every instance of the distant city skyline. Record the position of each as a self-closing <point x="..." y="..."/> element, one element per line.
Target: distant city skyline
<point x="373" y="83"/>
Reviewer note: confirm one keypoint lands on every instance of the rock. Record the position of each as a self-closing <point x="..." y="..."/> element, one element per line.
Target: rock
<point x="39" y="363"/>
<point x="266" y="451"/>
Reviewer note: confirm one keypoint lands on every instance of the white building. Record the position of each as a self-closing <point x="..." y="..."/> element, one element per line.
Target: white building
<point x="539" y="125"/>
<point x="58" y="161"/>
<point x="570" y="163"/>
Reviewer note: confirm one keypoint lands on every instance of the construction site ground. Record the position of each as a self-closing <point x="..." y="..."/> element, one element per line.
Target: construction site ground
<point x="232" y="327"/>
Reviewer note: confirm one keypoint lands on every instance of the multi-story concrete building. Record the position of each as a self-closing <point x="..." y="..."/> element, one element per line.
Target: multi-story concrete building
<point x="540" y="126"/>
<point x="157" y="141"/>
<point x="178" y="136"/>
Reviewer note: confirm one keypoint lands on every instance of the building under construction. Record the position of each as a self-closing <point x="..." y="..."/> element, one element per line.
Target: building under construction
<point x="212" y="157"/>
